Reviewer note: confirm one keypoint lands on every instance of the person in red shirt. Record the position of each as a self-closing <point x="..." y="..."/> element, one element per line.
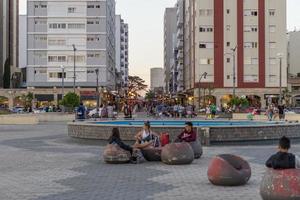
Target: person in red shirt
<point x="188" y="135"/>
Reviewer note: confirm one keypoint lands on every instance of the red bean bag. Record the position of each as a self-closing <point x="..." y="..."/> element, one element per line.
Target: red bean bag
<point x="281" y="185"/>
<point x="177" y="154"/>
<point x="152" y="154"/>
<point x="228" y="170"/>
<point x="113" y="154"/>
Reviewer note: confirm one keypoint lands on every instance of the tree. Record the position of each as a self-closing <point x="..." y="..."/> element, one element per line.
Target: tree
<point x="237" y="101"/>
<point x="150" y="95"/>
<point x="6" y="75"/>
<point x="71" y="100"/>
<point x="287" y="96"/>
<point x="136" y="85"/>
<point x="27" y="99"/>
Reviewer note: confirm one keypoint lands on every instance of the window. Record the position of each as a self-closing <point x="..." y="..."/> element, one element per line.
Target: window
<point x="272" y="12"/>
<point x="76" y="26"/>
<point x="57" y="26"/>
<point x="43" y="6"/>
<point x="252" y="28"/>
<point x="272" y="45"/>
<point x="57" y="58"/>
<point x="228" y="11"/>
<point x="57" y="75"/>
<point x="228" y="60"/>
<point x="249" y="12"/>
<point x="36" y="6"/>
<point x="228" y="44"/>
<point x="250" y="45"/>
<point x="71" y="10"/>
<point x="90" y="22"/>
<point x="227" y="27"/>
<point x="57" y="42"/>
<point x="97" y="6"/>
<point x="205" y="12"/>
<point x="206" y="61"/>
<point x="272" y="28"/>
<point x="250" y="61"/>
<point x="206" y="29"/>
<point x="228" y="76"/>
<point x="90" y="6"/>
<point x="78" y="59"/>
<point x="206" y="45"/>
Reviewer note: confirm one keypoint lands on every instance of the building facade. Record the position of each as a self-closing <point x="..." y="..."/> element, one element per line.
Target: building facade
<point x="170" y="31"/>
<point x="156" y="79"/>
<point x="294" y="53"/>
<point x="9" y="22"/>
<point x="122" y="56"/>
<point x="61" y="34"/>
<point x="233" y="45"/>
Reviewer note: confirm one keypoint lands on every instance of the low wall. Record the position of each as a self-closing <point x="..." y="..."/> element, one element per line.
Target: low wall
<point x="18" y="120"/>
<point x="262" y="117"/>
<point x="55" y="117"/>
<point x="209" y="135"/>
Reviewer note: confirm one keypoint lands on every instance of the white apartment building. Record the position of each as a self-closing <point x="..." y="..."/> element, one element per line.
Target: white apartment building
<point x="294" y="53"/>
<point x="55" y="27"/>
<point x="156" y="78"/>
<point x="251" y="31"/>
<point x="122" y="41"/>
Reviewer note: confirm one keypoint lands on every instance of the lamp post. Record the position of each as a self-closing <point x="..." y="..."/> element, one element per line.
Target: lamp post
<point x="62" y="81"/>
<point x="280" y="56"/>
<point x="97" y="90"/>
<point x="74" y="77"/>
<point x="202" y="76"/>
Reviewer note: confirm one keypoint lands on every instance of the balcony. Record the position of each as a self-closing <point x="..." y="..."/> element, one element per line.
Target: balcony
<point x="180" y="43"/>
<point x="179" y="22"/>
<point x="179" y="33"/>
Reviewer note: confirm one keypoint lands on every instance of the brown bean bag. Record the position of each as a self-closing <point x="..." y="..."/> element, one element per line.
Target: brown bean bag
<point x="152" y="154"/>
<point x="197" y="148"/>
<point x="281" y="185"/>
<point x="228" y="170"/>
<point x="113" y="154"/>
<point x="177" y="154"/>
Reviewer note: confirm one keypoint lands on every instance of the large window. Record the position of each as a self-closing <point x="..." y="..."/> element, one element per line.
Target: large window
<point x="76" y="26"/>
<point x="57" y="42"/>
<point x="205" y="12"/>
<point x="206" y="45"/>
<point x="250" y="45"/>
<point x="57" y="74"/>
<point x="57" y="26"/>
<point x="206" y="61"/>
<point x="206" y="28"/>
<point x="57" y="58"/>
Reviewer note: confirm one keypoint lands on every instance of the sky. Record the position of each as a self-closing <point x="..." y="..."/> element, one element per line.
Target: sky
<point x="145" y="19"/>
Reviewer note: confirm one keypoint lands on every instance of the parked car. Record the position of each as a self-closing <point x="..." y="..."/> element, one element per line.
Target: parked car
<point x="17" y="109"/>
<point x="38" y="110"/>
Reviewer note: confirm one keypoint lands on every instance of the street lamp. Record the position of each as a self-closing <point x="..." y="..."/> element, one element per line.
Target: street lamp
<point x="97" y="90"/>
<point x="62" y="81"/>
<point x="202" y="76"/>
<point x="74" y="77"/>
<point x="233" y="52"/>
<point x="280" y="56"/>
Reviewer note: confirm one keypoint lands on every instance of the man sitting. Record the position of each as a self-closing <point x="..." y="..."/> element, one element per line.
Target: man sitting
<point x="188" y="135"/>
<point x="283" y="159"/>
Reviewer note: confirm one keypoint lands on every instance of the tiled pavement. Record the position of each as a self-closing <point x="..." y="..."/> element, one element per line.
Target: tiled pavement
<point x="42" y="163"/>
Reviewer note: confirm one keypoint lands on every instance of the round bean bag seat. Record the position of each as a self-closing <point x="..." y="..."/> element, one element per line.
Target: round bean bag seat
<point x="229" y="170"/>
<point x="113" y="154"/>
<point x="197" y="148"/>
<point x="152" y="154"/>
<point x="281" y="185"/>
<point x="177" y="154"/>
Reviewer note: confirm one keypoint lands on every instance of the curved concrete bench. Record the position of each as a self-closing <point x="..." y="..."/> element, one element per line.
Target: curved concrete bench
<point x="197" y="148"/>
<point x="281" y="185"/>
<point x="113" y="154"/>
<point x="177" y="154"/>
<point x="229" y="170"/>
<point x="152" y="154"/>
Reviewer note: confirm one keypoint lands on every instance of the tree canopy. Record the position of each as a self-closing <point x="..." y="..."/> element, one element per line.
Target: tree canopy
<point x="136" y="85"/>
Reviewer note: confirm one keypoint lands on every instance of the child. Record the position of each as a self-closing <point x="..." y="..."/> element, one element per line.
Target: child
<point x="283" y="159"/>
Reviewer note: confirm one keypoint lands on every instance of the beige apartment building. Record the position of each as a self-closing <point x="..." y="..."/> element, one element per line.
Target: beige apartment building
<point x="235" y="46"/>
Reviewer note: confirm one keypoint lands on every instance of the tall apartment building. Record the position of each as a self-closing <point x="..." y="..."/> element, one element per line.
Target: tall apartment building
<point x="122" y="41"/>
<point x="170" y="31"/>
<point x="9" y="21"/>
<point x="294" y="53"/>
<point x="214" y="28"/>
<point x="54" y="28"/>
<point x="156" y="79"/>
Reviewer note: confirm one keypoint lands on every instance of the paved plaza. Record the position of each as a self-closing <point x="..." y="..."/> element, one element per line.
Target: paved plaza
<point x="42" y="163"/>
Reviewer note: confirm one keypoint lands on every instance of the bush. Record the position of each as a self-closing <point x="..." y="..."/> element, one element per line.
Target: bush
<point x="71" y="100"/>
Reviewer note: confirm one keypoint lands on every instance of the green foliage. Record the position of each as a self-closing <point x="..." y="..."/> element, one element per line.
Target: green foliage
<point x="6" y="75"/>
<point x="136" y="85"/>
<point x="150" y="95"/>
<point x="71" y="100"/>
<point x="27" y="99"/>
<point x="236" y="101"/>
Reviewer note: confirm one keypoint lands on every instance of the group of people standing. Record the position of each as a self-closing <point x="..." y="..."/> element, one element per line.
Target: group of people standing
<point x="274" y="111"/>
<point x="171" y="110"/>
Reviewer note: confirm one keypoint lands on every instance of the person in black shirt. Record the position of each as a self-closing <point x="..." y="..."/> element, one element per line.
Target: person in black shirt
<point x="115" y="139"/>
<point x="281" y="112"/>
<point x="283" y="159"/>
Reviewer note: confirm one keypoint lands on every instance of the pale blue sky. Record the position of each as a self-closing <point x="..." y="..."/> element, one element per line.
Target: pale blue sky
<point x="145" y="19"/>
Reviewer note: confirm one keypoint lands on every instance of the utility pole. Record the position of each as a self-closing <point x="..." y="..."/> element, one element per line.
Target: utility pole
<point x="74" y="77"/>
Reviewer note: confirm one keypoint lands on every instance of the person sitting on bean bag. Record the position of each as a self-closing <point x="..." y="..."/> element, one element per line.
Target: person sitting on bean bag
<point x="146" y="138"/>
<point x="188" y="135"/>
<point x="283" y="159"/>
<point x="115" y="139"/>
